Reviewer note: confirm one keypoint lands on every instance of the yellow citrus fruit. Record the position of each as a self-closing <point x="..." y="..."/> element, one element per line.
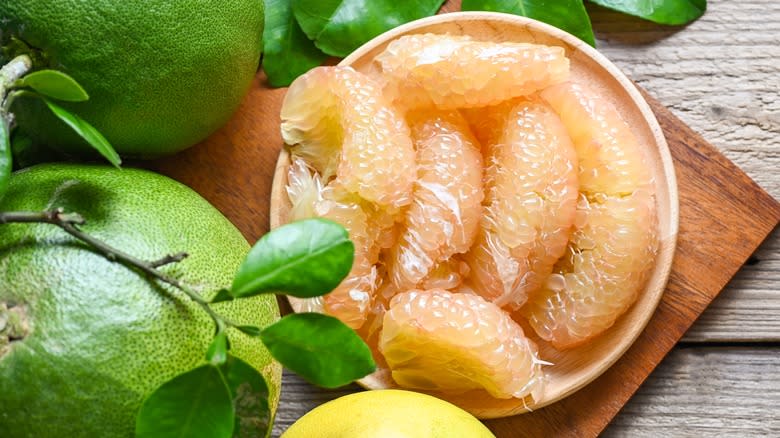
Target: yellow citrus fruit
<point x="388" y="413"/>
<point x="531" y="185"/>
<point x="612" y="250"/>
<point x="452" y="72"/>
<point x="93" y="337"/>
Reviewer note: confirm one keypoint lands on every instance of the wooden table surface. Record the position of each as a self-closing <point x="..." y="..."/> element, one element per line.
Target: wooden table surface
<point x="721" y="75"/>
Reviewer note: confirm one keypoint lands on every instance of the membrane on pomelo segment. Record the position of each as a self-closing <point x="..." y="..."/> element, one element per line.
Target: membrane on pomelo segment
<point x="612" y="250"/>
<point x="339" y="122"/>
<point x="352" y="299"/>
<point x="443" y="217"/>
<point x="453" y="342"/>
<point x="531" y="185"/>
<point x="457" y="72"/>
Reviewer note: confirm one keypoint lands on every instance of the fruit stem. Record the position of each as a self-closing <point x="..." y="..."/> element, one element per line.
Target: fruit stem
<point x="9" y="74"/>
<point x="70" y="222"/>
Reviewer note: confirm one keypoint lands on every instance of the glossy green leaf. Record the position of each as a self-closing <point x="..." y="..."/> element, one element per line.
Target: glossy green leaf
<point x="6" y="160"/>
<point x="86" y="131"/>
<point x="250" y="330"/>
<point x="340" y="26"/>
<point x="217" y="352"/>
<point x="222" y="295"/>
<point x="54" y="84"/>
<point x="320" y="348"/>
<point x="672" y="12"/>
<point x="569" y="15"/>
<point x="195" y="404"/>
<point x="288" y="51"/>
<point x="304" y="259"/>
<point x="250" y="398"/>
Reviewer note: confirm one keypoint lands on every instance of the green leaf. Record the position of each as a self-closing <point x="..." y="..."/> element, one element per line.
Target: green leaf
<point x="304" y="259"/>
<point x="54" y="84"/>
<point x="249" y="330"/>
<point x="195" y="404"/>
<point x="320" y="348"/>
<point x="6" y="160"/>
<point x="250" y="398"/>
<point x="569" y="15"/>
<point x="217" y="352"/>
<point x="222" y="295"/>
<point x="674" y="12"/>
<point x="86" y="131"/>
<point x="340" y="26"/>
<point x="288" y="52"/>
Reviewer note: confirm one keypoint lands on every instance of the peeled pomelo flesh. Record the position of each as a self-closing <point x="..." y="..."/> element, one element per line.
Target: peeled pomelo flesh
<point x="351" y="300"/>
<point x="339" y="122"/>
<point x="452" y="72"/>
<point x="613" y="248"/>
<point x="531" y="185"/>
<point x="443" y="217"/>
<point x="440" y="341"/>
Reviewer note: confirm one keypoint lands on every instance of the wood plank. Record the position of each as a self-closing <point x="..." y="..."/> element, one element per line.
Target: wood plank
<point x="720" y="75"/>
<point x="700" y="392"/>
<point x="678" y="400"/>
<point x="748" y="309"/>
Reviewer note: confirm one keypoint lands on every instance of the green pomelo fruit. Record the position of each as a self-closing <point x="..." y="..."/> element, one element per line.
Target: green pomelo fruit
<point x="161" y="75"/>
<point x="83" y="341"/>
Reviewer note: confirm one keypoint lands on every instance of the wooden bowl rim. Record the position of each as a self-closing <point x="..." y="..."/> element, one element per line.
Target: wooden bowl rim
<point x="667" y="242"/>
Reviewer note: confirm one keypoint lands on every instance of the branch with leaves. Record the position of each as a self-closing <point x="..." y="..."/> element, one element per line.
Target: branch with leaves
<point x="17" y="81"/>
<point x="301" y="34"/>
<point x="304" y="259"/>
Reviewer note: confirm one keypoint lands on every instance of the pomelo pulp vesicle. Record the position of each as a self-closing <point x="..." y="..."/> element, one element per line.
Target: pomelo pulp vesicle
<point x="531" y="197"/>
<point x="436" y="340"/>
<point x="100" y="336"/>
<point x="340" y="123"/>
<point x="453" y="72"/>
<point x="612" y="250"/>
<point x="445" y="212"/>
<point x="351" y="300"/>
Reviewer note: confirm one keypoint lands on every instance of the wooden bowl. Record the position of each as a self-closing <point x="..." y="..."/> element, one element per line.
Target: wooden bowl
<point x="575" y="368"/>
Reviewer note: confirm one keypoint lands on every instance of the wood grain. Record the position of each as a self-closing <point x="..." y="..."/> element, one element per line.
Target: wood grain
<point x="691" y="385"/>
<point x="707" y="391"/>
<point x="711" y="64"/>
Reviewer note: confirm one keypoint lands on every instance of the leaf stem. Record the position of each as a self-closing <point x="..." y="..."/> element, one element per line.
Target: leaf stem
<point x="70" y="222"/>
<point x="9" y="74"/>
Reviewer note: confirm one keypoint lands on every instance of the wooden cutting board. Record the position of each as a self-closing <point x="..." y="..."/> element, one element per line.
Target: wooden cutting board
<point x="724" y="216"/>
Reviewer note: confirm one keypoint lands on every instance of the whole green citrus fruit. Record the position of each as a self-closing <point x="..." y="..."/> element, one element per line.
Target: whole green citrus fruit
<point x="83" y="341"/>
<point x="388" y="413"/>
<point x="161" y="75"/>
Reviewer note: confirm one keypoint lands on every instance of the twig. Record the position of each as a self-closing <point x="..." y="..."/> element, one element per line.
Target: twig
<point x="70" y="222"/>
<point x="168" y="259"/>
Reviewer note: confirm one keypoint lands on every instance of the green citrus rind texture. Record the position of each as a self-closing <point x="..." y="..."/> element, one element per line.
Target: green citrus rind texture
<point x="161" y="75"/>
<point x="101" y="336"/>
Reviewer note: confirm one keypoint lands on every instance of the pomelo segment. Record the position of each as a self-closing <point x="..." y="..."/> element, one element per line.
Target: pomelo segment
<point x="612" y="250"/>
<point x="339" y="122"/>
<point x="453" y="72"/>
<point x="531" y="185"/>
<point x="446" y="207"/>
<point x="439" y="341"/>
<point x="352" y="299"/>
